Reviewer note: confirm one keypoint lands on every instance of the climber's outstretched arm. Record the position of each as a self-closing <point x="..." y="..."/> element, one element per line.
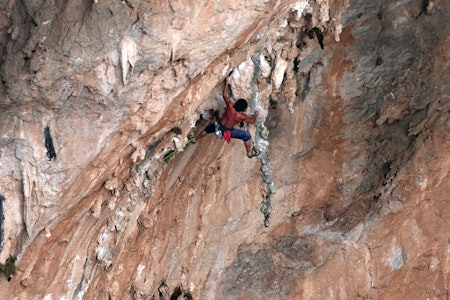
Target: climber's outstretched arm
<point x="227" y="99"/>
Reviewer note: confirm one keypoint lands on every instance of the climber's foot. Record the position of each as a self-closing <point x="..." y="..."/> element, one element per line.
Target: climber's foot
<point x="253" y="153"/>
<point x="191" y="138"/>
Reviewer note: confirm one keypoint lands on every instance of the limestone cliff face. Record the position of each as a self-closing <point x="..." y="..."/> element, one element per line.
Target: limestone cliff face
<point x="103" y="197"/>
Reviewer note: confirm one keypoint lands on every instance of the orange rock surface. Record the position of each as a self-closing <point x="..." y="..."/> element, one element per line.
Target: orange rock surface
<point x="103" y="195"/>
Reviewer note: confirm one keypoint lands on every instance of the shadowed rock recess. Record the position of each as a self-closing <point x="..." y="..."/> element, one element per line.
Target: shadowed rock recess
<point x="103" y="196"/>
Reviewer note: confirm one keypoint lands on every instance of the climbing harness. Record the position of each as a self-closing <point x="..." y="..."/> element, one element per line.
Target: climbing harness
<point x="222" y="132"/>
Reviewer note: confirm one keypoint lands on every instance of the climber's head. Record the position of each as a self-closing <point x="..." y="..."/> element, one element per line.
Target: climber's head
<point x="240" y="105"/>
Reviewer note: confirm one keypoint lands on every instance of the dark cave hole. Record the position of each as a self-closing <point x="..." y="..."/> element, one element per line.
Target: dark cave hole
<point x="273" y="103"/>
<point x="308" y="18"/>
<point x="316" y="31"/>
<point x="376" y="197"/>
<point x="424" y="6"/>
<point x="320" y="38"/>
<point x="327" y="214"/>
<point x="176" y="130"/>
<point x="300" y="44"/>
<point x="296" y="62"/>
<point x="176" y="293"/>
<point x="179" y="292"/>
<point x="379" y="61"/>
<point x="385" y="169"/>
<point x="162" y="287"/>
<point x="51" y="153"/>
<point x="306" y="86"/>
<point x="152" y="147"/>
<point x="410" y="61"/>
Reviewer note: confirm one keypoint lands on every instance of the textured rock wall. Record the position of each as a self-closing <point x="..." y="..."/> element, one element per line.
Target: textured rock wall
<point x="105" y="198"/>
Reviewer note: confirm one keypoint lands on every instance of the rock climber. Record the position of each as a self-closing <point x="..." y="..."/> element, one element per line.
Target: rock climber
<point x="234" y="114"/>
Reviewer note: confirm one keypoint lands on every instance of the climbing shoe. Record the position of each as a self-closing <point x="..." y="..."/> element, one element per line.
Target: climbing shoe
<point x="253" y="153"/>
<point x="191" y="138"/>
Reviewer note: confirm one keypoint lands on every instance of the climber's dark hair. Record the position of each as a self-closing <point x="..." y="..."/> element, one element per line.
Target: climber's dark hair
<point x="240" y="105"/>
